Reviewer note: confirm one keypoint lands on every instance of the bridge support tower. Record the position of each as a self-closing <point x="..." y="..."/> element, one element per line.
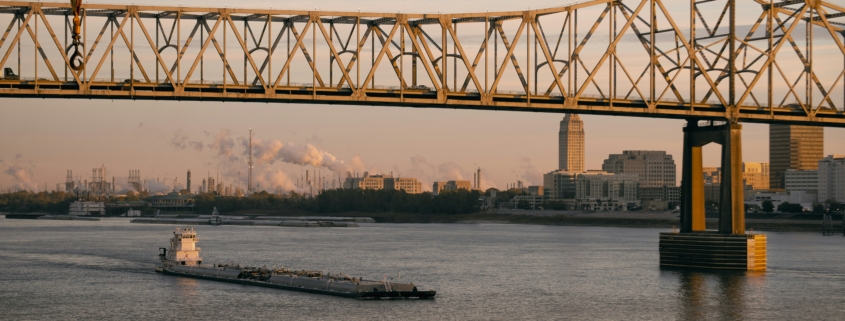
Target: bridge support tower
<point x="729" y="247"/>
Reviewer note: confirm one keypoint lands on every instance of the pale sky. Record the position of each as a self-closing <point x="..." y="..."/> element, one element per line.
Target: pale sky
<point x="41" y="139"/>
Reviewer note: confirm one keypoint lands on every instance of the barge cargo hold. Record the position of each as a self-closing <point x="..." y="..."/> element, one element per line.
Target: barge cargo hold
<point x="182" y="259"/>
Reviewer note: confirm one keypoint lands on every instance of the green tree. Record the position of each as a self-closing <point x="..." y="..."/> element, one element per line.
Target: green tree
<point x="787" y="207"/>
<point x="768" y="206"/>
<point x="819" y="208"/>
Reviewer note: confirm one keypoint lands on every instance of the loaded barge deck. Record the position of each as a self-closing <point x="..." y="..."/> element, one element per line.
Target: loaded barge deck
<point x="182" y="259"/>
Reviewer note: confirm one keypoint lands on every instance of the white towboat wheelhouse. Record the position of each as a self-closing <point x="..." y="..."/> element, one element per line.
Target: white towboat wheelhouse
<point x="183" y="249"/>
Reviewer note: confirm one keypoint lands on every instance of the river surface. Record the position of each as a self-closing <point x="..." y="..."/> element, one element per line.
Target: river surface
<point x="65" y="270"/>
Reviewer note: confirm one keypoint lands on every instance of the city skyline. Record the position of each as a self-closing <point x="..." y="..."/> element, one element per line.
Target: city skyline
<point x="138" y="139"/>
<point x="45" y="138"/>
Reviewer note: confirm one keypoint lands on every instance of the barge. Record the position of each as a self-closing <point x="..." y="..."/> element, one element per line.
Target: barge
<point x="182" y="258"/>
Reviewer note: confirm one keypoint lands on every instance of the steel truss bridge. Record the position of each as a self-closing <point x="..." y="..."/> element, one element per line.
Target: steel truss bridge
<point x="737" y="60"/>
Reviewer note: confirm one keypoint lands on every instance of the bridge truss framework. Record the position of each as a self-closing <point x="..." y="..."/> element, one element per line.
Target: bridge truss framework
<point x="631" y="57"/>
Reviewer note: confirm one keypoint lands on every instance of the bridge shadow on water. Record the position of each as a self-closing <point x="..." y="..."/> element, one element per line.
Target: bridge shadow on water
<point x="714" y="295"/>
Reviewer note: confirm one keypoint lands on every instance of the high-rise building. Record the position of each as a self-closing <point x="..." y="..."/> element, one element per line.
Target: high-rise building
<point x="793" y="147"/>
<point x="571" y="144"/>
<point x="654" y="168"/>
<point x="832" y="178"/>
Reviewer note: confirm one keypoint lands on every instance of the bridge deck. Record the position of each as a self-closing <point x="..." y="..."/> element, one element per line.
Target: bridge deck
<point x="534" y="60"/>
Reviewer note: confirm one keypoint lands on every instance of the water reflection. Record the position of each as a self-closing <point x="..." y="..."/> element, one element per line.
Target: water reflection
<point x="723" y="295"/>
<point x="187" y="286"/>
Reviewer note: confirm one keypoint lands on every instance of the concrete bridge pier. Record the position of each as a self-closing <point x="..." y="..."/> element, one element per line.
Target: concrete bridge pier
<point x="729" y="247"/>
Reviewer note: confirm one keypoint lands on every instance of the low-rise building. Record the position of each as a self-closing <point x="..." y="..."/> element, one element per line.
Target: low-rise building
<point x="533" y="190"/>
<point x="438" y="187"/>
<point x="559" y="185"/>
<point x="778" y="197"/>
<point x="671" y="194"/>
<point x="408" y="184"/>
<point x="384" y="181"/>
<point x="534" y="201"/>
<point x="802" y="180"/>
<point x="173" y="201"/>
<point x="712" y="175"/>
<point x="601" y="190"/>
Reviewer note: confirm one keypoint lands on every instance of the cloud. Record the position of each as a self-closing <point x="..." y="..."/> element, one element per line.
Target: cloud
<point x="531" y="175"/>
<point x="22" y="174"/>
<point x="314" y="139"/>
<point x="275" y="179"/>
<point x="270" y="151"/>
<point x="181" y="141"/>
<point x="223" y="144"/>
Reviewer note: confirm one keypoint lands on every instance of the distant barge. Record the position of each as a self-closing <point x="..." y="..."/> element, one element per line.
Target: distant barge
<point x="216" y="219"/>
<point x="44" y="216"/>
<point x="182" y="259"/>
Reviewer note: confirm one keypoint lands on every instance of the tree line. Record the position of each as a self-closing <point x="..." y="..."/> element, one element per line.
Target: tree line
<point x="329" y="201"/>
<point x="347" y="200"/>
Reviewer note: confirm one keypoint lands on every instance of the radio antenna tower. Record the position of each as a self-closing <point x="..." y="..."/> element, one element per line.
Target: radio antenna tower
<point x="249" y="175"/>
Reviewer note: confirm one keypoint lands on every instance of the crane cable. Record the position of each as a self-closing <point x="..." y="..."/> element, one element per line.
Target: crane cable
<point x="77" y="62"/>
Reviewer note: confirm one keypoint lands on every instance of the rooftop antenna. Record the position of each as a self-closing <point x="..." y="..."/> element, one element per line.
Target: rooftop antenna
<point x="249" y="179"/>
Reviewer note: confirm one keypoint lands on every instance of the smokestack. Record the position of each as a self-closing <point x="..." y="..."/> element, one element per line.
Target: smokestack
<point x="249" y="179"/>
<point x="189" y="181"/>
<point x="478" y="179"/>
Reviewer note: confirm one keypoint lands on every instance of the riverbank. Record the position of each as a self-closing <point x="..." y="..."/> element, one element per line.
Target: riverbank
<point x="757" y="222"/>
<point x="667" y="220"/>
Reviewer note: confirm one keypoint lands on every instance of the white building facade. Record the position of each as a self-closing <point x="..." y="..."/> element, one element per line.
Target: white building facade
<point x="831" y="178"/>
<point x="601" y="190"/>
<point x="654" y="168"/>
<point x="802" y="180"/>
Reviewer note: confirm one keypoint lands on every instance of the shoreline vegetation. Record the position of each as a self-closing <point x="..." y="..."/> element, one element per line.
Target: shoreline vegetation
<point x="386" y="206"/>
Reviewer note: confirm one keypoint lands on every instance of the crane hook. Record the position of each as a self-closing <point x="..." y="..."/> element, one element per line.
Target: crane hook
<point x="76" y="60"/>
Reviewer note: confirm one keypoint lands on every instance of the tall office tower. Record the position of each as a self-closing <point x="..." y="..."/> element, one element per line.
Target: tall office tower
<point x="654" y="168"/>
<point x="189" y="181"/>
<point x="571" y="144"/>
<point x="793" y="147"/>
